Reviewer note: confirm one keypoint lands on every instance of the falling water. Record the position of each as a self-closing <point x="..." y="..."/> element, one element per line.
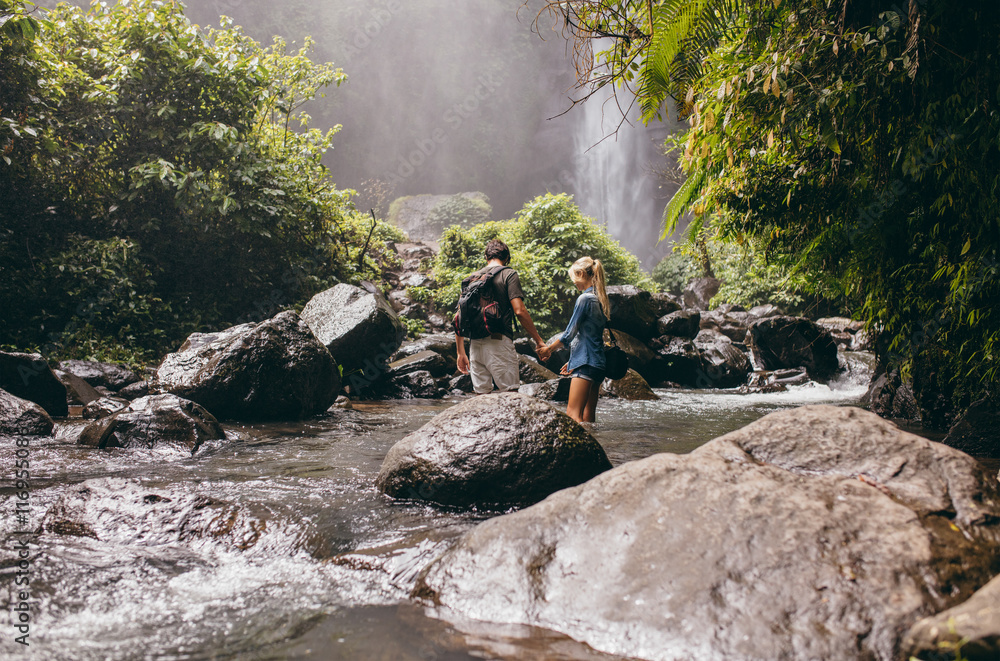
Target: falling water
<point x="613" y="179"/>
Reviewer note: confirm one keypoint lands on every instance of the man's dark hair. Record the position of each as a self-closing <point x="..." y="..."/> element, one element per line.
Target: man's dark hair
<point x="497" y="249"/>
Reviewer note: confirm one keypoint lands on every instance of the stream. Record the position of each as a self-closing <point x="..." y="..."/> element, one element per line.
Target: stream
<point x="330" y="575"/>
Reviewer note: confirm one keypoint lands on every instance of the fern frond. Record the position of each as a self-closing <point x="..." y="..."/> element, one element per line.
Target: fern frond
<point x="679" y="202"/>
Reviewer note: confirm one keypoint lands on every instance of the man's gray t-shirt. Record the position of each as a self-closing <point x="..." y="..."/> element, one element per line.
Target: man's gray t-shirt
<point x="507" y="284"/>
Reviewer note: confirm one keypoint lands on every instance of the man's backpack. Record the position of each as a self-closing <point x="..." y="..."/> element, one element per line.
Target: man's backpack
<point x="479" y="313"/>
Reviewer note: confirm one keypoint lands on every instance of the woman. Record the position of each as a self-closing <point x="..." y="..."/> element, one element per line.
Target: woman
<point x="585" y="337"/>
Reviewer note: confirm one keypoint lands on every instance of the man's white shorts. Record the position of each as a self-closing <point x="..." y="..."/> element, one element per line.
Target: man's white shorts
<point x="494" y="361"/>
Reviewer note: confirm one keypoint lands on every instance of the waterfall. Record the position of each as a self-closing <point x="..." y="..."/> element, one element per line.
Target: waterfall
<point x="612" y="178"/>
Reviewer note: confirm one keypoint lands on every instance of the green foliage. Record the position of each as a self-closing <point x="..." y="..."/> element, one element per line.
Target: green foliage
<point x="171" y="173"/>
<point x="545" y="238"/>
<point x="420" y="294"/>
<point x="674" y="271"/>
<point x="860" y="144"/>
<point x="414" y="327"/>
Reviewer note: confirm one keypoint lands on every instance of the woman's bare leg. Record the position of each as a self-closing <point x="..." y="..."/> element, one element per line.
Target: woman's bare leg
<point x="579" y="396"/>
<point x="590" y="410"/>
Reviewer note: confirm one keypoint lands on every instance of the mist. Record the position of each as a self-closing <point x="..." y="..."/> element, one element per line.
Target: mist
<point x="447" y="97"/>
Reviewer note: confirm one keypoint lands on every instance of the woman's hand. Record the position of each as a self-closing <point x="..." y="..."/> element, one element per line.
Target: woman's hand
<point x="544" y="353"/>
<point x="564" y="370"/>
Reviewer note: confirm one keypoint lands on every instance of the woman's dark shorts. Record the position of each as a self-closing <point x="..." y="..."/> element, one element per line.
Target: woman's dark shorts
<point x="589" y="373"/>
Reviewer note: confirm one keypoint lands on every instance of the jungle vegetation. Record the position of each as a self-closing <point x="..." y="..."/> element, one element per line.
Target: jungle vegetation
<point x="158" y="179"/>
<point x="853" y="142"/>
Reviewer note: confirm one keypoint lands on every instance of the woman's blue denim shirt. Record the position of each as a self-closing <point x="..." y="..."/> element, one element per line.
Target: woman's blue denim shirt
<point x="585" y="333"/>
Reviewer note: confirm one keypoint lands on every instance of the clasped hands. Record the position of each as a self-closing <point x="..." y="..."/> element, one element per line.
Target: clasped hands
<point x="544" y="352"/>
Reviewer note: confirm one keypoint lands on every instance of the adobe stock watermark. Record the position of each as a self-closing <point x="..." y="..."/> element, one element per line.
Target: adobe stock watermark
<point x="22" y="540"/>
<point x="452" y="120"/>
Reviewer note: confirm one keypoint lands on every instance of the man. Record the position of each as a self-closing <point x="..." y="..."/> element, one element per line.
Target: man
<point x="493" y="359"/>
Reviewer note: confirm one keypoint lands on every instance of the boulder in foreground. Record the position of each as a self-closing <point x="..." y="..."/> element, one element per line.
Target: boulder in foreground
<point x="274" y="370"/>
<point x="153" y="422"/>
<point x="814" y="533"/>
<point x="494" y="450"/>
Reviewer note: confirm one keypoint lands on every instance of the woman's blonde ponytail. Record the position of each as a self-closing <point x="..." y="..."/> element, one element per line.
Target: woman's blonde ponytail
<point x="600" y="285"/>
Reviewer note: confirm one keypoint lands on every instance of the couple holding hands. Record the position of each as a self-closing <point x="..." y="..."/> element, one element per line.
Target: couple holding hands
<point x="493" y="359"/>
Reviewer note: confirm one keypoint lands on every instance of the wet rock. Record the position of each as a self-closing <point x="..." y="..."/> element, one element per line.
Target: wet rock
<point x="699" y="292"/>
<point x="783" y="342"/>
<point x="631" y="387"/>
<point x="678" y="361"/>
<point x="532" y="372"/>
<point x="683" y="323"/>
<point x="135" y="390"/>
<point x="863" y="341"/>
<point x="28" y="376"/>
<point x="554" y="390"/>
<point x="399" y="300"/>
<point x="154" y="421"/>
<point x="274" y="370"/>
<point x="977" y="431"/>
<point x="113" y="377"/>
<point x="442" y="344"/>
<point x="343" y="402"/>
<point x="732" y="323"/>
<point x="665" y="303"/>
<point x="78" y="391"/>
<point x="889" y="397"/>
<point x="427" y="360"/>
<point x="126" y="513"/>
<point x="494" y="450"/>
<point x="639" y="355"/>
<point x="815" y="533"/>
<point x="790" y="377"/>
<point x="461" y="383"/>
<point x="21" y="417"/>
<point x="103" y="407"/>
<point x="357" y="325"/>
<point x="419" y="384"/>
<point x="973" y="628"/>
<point x="766" y="310"/>
<point x="633" y="311"/>
<point x="840" y="324"/>
<point x="723" y="365"/>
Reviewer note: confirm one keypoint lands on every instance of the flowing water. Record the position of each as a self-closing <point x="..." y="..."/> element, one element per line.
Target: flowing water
<point x="328" y="575"/>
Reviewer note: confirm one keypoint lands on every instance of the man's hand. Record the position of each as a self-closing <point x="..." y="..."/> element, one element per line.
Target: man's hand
<point x="463" y="363"/>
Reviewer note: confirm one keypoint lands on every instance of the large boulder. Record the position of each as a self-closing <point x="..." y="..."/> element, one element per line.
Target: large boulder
<point x="495" y="451"/>
<point x="442" y="344"/>
<point x="971" y="628"/>
<point x="156" y="421"/>
<point x="20" y="417"/>
<point x="665" y="303"/>
<point x="682" y="323"/>
<point x="890" y="397"/>
<point x="273" y="370"/>
<point x="813" y="533"/>
<point x="633" y="311"/>
<point x="723" y="365"/>
<point x="631" y="387"/>
<point x="699" y="292"/>
<point x="427" y="360"/>
<point x="28" y="376"/>
<point x="783" y="342"/>
<point x="639" y="355"/>
<point x="128" y="514"/>
<point x="357" y="325"/>
<point x="977" y="431"/>
<point x="732" y="324"/>
<point x="78" y="391"/>
<point x="677" y="361"/>
<point x="107" y="375"/>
